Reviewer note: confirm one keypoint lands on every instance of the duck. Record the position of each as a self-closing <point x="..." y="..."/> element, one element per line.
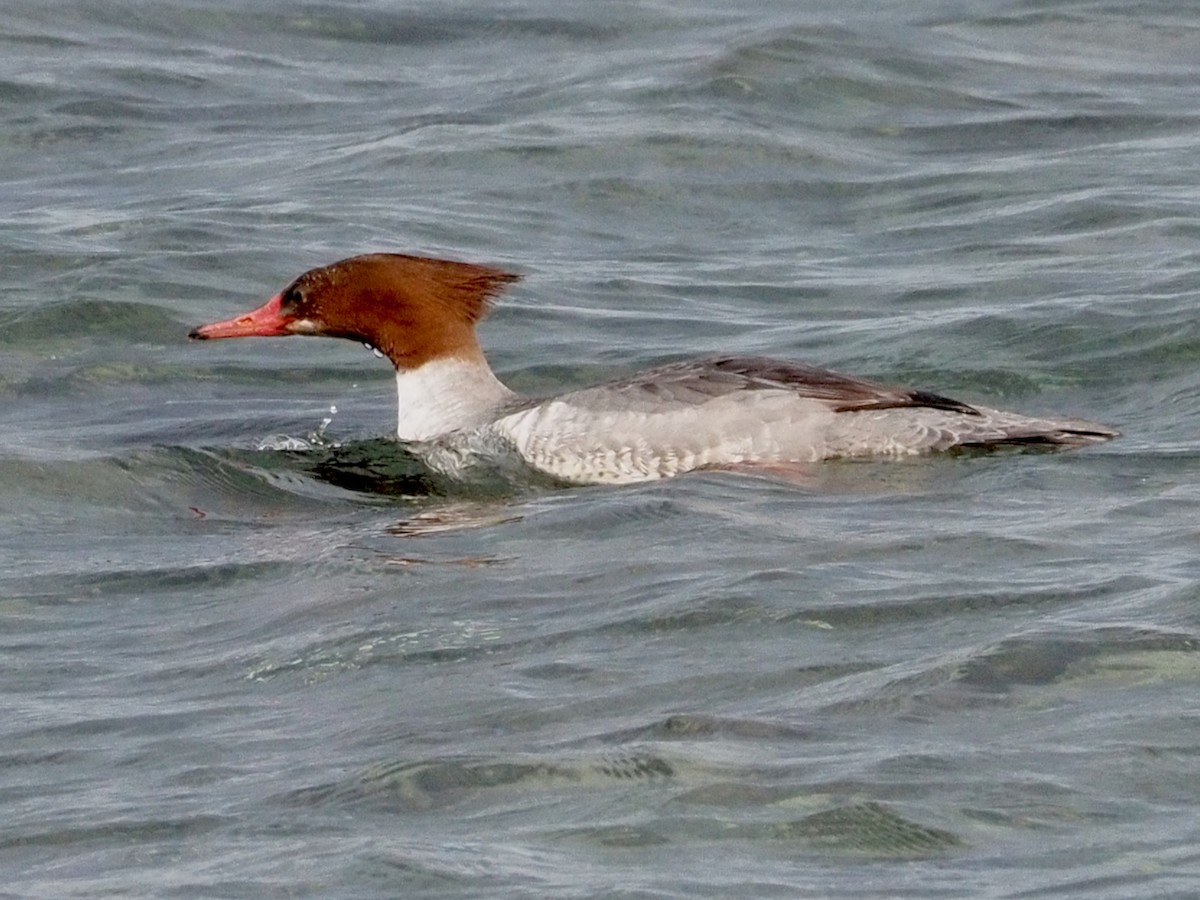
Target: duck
<point x="728" y="412"/>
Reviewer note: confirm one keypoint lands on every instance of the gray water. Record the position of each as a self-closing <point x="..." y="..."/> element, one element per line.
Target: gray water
<point x="232" y="669"/>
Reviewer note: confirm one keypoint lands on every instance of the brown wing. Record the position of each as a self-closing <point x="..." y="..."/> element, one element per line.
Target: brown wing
<point x="695" y="382"/>
<point x="843" y="392"/>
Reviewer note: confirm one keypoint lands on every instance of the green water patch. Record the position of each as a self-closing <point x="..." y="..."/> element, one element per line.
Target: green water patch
<point x="59" y="324"/>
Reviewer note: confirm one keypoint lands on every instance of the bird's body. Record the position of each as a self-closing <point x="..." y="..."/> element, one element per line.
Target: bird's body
<point x="720" y="412"/>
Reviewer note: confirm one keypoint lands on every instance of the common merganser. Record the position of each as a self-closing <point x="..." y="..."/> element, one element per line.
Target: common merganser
<point x="726" y="412"/>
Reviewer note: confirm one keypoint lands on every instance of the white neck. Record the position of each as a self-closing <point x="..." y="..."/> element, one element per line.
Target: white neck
<point x="445" y="395"/>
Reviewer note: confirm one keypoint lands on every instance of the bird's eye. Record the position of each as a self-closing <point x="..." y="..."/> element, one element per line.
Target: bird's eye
<point x="292" y="297"/>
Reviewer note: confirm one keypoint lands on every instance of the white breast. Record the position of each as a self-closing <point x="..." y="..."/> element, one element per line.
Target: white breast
<point x="587" y="445"/>
<point x="444" y="396"/>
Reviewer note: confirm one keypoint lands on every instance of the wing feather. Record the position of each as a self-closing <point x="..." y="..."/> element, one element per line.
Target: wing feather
<point x="697" y="382"/>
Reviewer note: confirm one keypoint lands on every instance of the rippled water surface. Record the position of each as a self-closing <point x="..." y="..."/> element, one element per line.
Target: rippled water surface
<point x="251" y="648"/>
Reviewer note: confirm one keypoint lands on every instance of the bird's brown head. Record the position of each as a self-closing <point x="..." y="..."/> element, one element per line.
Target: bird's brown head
<point x="412" y="308"/>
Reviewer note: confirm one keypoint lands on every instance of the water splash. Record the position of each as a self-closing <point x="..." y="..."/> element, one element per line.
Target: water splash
<point x="316" y="439"/>
<point x="283" y="442"/>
